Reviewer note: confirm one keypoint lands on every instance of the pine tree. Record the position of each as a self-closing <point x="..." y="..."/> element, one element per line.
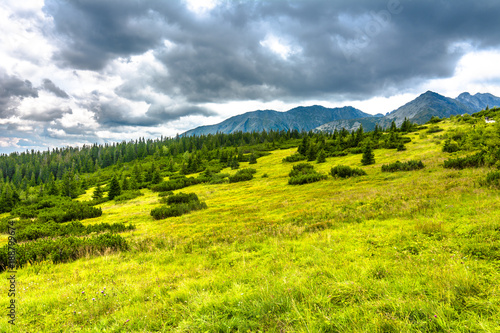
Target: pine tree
<point x="304" y="146"/>
<point x="156" y="177"/>
<point x="114" y="188"/>
<point x="125" y="185"/>
<point x="321" y="157"/>
<point x="368" y="155"/>
<point x="98" y="193"/>
<point x="311" y="153"/>
<point x="253" y="159"/>
<point x="52" y="186"/>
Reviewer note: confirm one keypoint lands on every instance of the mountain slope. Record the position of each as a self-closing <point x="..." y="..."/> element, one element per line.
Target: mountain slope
<point x="420" y="110"/>
<point x="300" y="118"/>
<point x="424" y="107"/>
<point x="478" y="101"/>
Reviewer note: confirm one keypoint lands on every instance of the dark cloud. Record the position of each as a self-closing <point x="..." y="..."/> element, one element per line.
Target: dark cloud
<point x="116" y="113"/>
<point x="50" y="86"/>
<point x="12" y="90"/>
<point x="352" y="50"/>
<point x="47" y="115"/>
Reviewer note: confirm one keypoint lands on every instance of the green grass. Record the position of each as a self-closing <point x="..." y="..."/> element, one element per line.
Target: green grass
<point x="405" y="252"/>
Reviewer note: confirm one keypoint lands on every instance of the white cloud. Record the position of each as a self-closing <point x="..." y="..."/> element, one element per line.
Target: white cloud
<point x="279" y="46"/>
<point x="477" y="72"/>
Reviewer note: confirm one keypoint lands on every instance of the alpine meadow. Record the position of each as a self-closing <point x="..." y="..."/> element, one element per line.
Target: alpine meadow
<point x="254" y="232"/>
<point x="250" y="166"/>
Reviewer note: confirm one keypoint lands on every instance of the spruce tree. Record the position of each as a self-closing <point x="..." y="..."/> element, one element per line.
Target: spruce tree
<point x="321" y="157"/>
<point x="253" y="159"/>
<point x="98" y="193"/>
<point x="125" y="185"/>
<point x="368" y="155"/>
<point x="156" y="177"/>
<point x="311" y="153"/>
<point x="114" y="188"/>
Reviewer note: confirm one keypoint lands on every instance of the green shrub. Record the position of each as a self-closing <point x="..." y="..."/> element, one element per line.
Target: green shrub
<point x="492" y="179"/>
<point x="64" y="249"/>
<point x="403" y="166"/>
<point x="165" y="194"/>
<point x="344" y="171"/>
<point x="356" y="150"/>
<point x="128" y="195"/>
<point x="176" y="210"/>
<point x="182" y="198"/>
<point x="35" y="230"/>
<point x="450" y="147"/>
<point x="434" y="129"/>
<point x="306" y="178"/>
<point x="176" y="182"/>
<point x="304" y="173"/>
<point x="177" y="205"/>
<point x="300" y="169"/>
<point x="294" y="158"/>
<point x="472" y="161"/>
<point x="434" y="120"/>
<point x="242" y="175"/>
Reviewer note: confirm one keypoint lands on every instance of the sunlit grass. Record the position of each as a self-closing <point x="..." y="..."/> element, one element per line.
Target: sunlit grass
<point x="387" y="252"/>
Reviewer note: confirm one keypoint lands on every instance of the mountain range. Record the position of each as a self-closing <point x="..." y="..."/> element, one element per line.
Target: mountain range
<point x="319" y="118"/>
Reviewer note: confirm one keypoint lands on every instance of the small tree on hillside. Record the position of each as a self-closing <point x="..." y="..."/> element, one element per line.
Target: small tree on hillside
<point x="98" y="193"/>
<point x="114" y="188"/>
<point x="321" y="157"/>
<point x="156" y="177"/>
<point x="253" y="159"/>
<point x="368" y="155"/>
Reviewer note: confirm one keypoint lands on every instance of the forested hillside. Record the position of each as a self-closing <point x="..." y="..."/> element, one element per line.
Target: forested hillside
<point x="388" y="230"/>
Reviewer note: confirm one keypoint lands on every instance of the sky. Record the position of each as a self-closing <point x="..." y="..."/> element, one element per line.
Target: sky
<point x="75" y="72"/>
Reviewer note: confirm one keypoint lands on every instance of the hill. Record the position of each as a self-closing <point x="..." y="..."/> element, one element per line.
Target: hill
<point x="420" y="110"/>
<point x="303" y="118"/>
<point x="406" y="244"/>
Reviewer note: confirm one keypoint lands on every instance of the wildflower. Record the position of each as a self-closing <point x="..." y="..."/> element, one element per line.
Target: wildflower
<point x="93" y="299"/>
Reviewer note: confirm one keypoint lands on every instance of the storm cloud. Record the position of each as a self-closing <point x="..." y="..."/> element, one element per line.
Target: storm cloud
<point x="346" y="48"/>
<point x="50" y="86"/>
<point x="12" y="90"/>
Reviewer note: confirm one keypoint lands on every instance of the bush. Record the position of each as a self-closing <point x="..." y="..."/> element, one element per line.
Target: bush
<point x="450" y="147"/>
<point x="165" y="194"/>
<point x="344" y="171"/>
<point x="64" y="249"/>
<point x="182" y="198"/>
<point x="492" y="179"/>
<point x="403" y="166"/>
<point x="472" y="161"/>
<point x="128" y="195"/>
<point x="35" y="231"/>
<point x="434" y="120"/>
<point x="306" y="178"/>
<point x="178" y="204"/>
<point x="294" y="158"/>
<point x="176" y="182"/>
<point x="304" y="173"/>
<point x="300" y="169"/>
<point x="356" y="150"/>
<point x="176" y="210"/>
<point x="434" y="129"/>
<point x="242" y="175"/>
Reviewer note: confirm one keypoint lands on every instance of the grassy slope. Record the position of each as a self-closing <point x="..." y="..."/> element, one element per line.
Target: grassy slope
<point x="384" y="252"/>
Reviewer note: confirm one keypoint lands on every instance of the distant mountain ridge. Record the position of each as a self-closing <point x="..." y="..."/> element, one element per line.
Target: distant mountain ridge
<point x="319" y="118"/>
<point x="420" y="110"/>
<point x="302" y="118"/>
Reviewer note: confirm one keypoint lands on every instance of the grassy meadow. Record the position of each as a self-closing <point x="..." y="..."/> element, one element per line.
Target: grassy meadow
<point x="413" y="251"/>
